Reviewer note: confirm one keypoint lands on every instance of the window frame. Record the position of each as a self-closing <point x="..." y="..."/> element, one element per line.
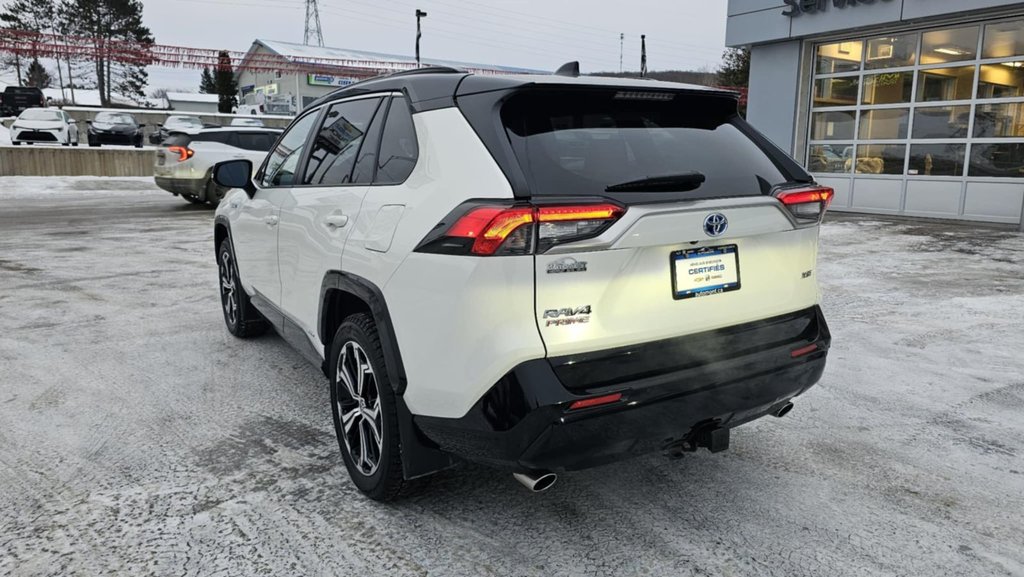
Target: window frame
<point x="380" y="141"/>
<point x="301" y="166"/>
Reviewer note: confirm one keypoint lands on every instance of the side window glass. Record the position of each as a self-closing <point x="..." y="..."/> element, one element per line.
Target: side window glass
<point x="258" y="141"/>
<point x="366" y="161"/>
<point x="338" y="140"/>
<point x="398" y="148"/>
<point x="284" y="160"/>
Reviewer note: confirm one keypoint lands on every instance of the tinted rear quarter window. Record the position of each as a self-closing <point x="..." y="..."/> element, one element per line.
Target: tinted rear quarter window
<point x="579" y="142"/>
<point x="398" y="147"/>
<point x="257" y="141"/>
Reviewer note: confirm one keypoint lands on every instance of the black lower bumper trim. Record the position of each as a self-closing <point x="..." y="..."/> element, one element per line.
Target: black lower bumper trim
<point x="524" y="421"/>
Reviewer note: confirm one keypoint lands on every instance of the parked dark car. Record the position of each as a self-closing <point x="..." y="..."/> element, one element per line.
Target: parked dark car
<point x="115" y="128"/>
<point x="16" y="99"/>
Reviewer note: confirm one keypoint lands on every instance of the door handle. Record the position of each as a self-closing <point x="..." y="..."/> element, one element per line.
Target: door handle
<point x="271" y="220"/>
<point x="336" y="221"/>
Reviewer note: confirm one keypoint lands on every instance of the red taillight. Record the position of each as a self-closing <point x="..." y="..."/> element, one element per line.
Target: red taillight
<point x="596" y="401"/>
<point x="491" y="227"/>
<point x="809" y="203"/>
<point x="184" y="153"/>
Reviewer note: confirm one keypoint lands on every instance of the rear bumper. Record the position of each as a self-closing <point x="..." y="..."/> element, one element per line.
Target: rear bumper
<point x="670" y="389"/>
<point x="188" y="186"/>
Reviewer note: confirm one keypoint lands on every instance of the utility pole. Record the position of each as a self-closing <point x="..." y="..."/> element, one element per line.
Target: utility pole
<point x="419" y="14"/>
<point x="643" y="56"/>
<point x="313" y="31"/>
<point x="622" y="38"/>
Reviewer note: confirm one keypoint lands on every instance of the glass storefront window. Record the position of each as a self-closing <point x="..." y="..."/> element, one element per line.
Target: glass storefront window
<point x="949" y="45"/>
<point x="833" y="125"/>
<point x="1004" y="80"/>
<point x="939" y="84"/>
<point x="942" y="121"/>
<point x="888" y="88"/>
<point x="999" y="121"/>
<point x="891" y="52"/>
<point x="880" y="158"/>
<point x="884" y="124"/>
<point x="832" y="158"/>
<point x="839" y="57"/>
<point x="998" y="160"/>
<point x="836" y="91"/>
<point x="1004" y="40"/>
<point x="937" y="159"/>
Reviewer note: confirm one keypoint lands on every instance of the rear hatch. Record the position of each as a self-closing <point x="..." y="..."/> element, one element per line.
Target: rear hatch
<point x="693" y="239"/>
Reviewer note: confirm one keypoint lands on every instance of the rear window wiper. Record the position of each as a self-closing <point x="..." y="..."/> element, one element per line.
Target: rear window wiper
<point x="670" y="183"/>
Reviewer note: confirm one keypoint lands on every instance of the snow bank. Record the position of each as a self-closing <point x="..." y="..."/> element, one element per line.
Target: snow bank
<point x="15" y="187"/>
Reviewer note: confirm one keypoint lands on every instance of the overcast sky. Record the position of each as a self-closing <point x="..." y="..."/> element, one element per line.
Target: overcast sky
<point x="681" y="34"/>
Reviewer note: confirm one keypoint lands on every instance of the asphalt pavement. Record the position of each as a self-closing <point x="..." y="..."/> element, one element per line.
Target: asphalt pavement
<point x="137" y="437"/>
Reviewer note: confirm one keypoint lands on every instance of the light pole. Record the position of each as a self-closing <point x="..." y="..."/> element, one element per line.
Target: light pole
<point x="419" y="14"/>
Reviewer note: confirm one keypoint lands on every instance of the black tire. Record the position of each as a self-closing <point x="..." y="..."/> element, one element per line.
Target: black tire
<point x="383" y="482"/>
<point x="75" y="143"/>
<point x="213" y="192"/>
<point x="94" y="144"/>
<point x="241" y="318"/>
<point x="16" y="143"/>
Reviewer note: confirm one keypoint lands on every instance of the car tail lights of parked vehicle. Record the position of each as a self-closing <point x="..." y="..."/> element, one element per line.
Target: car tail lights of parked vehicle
<point x="807" y="204"/>
<point x="504" y="230"/>
<point x="184" y="153"/>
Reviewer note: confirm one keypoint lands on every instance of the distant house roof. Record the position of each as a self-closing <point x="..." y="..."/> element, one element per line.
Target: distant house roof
<point x="373" y="61"/>
<point x="193" y="97"/>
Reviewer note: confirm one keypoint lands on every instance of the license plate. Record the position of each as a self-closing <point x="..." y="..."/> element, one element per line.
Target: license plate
<point x="701" y="272"/>
<point x="160" y="160"/>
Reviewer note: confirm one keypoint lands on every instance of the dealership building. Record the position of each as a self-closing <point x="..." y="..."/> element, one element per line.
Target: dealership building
<point x="905" y="107"/>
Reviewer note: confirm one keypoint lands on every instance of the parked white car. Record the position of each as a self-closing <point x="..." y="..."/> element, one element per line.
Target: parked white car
<point x="44" y="125"/>
<point x="183" y="164"/>
<point x="539" y="273"/>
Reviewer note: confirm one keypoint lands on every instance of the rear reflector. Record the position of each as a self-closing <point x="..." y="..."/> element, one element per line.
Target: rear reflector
<point x="809" y="203"/>
<point x="803" y="351"/>
<point x="596" y="401"/>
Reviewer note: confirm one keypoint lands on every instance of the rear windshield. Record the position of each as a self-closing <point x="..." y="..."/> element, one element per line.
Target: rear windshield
<point x="578" y="143"/>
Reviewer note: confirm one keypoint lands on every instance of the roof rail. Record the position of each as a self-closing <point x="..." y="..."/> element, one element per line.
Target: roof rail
<point x="426" y="70"/>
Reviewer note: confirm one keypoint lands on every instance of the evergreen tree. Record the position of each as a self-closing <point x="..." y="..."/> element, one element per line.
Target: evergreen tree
<point x="207" y="85"/>
<point x="113" y="21"/>
<point x="227" y="85"/>
<point x="30" y="15"/>
<point x="735" y="70"/>
<point x="36" y="75"/>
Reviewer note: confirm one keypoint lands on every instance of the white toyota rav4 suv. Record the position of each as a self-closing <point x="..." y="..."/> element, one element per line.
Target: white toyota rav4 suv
<point x="539" y="273"/>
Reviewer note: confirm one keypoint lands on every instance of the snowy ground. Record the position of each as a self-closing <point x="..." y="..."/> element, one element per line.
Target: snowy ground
<point x="139" y="438"/>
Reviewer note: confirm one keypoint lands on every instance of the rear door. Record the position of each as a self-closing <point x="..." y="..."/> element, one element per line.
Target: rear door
<point x="704" y="247"/>
<point x="320" y="210"/>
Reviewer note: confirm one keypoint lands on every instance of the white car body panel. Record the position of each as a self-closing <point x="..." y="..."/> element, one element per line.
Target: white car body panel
<point x="65" y="131"/>
<point x="207" y="154"/>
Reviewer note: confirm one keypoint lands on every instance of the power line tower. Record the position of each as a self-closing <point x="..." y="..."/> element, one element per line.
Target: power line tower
<point x="313" y="32"/>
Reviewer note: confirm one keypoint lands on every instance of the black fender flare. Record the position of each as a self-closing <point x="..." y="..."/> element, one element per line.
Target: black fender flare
<point x="372" y="295"/>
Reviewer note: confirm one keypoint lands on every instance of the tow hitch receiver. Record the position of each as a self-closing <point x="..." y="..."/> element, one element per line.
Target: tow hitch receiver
<point x="709" y="436"/>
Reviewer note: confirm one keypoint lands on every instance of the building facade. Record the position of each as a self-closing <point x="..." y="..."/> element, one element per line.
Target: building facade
<point x="323" y="70"/>
<point x="905" y="107"/>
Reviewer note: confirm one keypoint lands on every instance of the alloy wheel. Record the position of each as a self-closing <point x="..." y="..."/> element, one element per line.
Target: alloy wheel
<point x="359" y="409"/>
<point x="228" y="294"/>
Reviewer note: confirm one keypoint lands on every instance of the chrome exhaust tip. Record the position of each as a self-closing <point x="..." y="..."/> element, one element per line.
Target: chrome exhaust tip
<point x="783" y="410"/>
<point x="537" y="481"/>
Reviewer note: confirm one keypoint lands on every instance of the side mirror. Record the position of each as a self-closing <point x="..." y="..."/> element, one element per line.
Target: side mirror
<point x="235" y="174"/>
<point x="142" y="126"/>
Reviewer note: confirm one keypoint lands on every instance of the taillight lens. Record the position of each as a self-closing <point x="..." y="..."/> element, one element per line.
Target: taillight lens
<point x="503" y="230"/>
<point x="807" y="204"/>
<point x="184" y="153"/>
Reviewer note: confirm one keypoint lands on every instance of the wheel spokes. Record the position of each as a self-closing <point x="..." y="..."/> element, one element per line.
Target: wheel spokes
<point x="360" y="414"/>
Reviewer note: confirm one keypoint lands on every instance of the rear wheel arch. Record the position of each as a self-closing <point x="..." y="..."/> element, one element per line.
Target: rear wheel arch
<point x="344" y="294"/>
